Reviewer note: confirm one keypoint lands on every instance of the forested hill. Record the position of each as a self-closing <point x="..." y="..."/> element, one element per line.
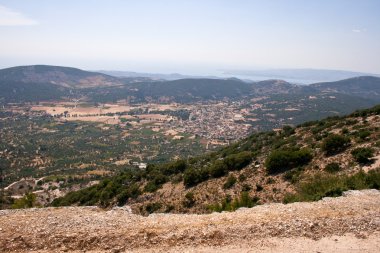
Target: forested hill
<point x="56" y="75"/>
<point x="305" y="163"/>
<point x="363" y="86"/>
<point x="42" y="82"/>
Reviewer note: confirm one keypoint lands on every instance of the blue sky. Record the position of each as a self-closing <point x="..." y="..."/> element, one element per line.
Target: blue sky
<point x="193" y="37"/>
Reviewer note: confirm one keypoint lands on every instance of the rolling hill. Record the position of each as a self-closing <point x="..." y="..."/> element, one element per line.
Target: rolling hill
<point x="362" y="86"/>
<point x="43" y="82"/>
<point x="62" y="76"/>
<point x="306" y="163"/>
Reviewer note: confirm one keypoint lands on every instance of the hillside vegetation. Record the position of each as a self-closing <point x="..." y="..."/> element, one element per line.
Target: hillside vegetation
<point x="38" y="83"/>
<point x="305" y="163"/>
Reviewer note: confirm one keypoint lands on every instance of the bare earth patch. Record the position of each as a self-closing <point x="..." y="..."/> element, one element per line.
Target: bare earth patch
<point x="346" y="224"/>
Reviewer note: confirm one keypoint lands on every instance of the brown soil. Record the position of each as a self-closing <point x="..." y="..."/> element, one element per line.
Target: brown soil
<point x="345" y="224"/>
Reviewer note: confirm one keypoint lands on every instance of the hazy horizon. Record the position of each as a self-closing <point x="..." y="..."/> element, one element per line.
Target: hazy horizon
<point x="194" y="38"/>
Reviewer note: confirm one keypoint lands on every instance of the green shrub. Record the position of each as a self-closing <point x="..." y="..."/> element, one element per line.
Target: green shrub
<point x="231" y="205"/>
<point x="293" y="176"/>
<point x="151" y="187"/>
<point x="246" y="188"/>
<point x="189" y="200"/>
<point x="238" y="161"/>
<point x="193" y="176"/>
<point x="153" y="207"/>
<point x="169" y="208"/>
<point x="155" y="183"/>
<point x="332" y="167"/>
<point x="363" y="134"/>
<point x="320" y="186"/>
<point x="231" y="180"/>
<point x="28" y="201"/>
<point x="174" y="167"/>
<point x="334" y="144"/>
<point x="287" y="130"/>
<point x="242" y="178"/>
<point x="362" y="155"/>
<point x="122" y="198"/>
<point x="218" y="169"/>
<point x="282" y="160"/>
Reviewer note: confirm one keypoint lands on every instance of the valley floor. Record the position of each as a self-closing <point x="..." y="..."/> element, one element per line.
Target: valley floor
<point x="346" y="224"/>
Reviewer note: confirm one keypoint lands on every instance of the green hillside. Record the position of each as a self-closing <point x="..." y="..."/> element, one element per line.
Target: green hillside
<point x="314" y="160"/>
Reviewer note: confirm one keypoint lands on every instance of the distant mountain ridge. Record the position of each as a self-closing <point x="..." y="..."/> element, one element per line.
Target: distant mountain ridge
<point x="63" y="76"/>
<point x="44" y="82"/>
<point x="299" y="76"/>
<point x="363" y="86"/>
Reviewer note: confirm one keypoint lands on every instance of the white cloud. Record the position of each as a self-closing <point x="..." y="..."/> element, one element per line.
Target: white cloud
<point x="9" y="17"/>
<point x="359" y="30"/>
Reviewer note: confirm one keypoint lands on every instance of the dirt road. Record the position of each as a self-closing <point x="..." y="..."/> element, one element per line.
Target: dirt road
<point x="346" y="224"/>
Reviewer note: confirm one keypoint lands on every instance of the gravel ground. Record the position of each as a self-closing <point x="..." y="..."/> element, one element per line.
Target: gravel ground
<point x="346" y="224"/>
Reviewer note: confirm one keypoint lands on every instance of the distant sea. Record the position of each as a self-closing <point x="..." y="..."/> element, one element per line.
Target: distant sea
<point x="290" y="80"/>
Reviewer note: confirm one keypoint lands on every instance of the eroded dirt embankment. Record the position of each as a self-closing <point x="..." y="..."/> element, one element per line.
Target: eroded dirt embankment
<point x="346" y="224"/>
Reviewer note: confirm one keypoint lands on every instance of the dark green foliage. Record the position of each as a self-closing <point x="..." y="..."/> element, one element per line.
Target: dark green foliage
<point x="28" y="201"/>
<point x="123" y="197"/>
<point x="193" y="176"/>
<point x="334" y="144"/>
<point x="332" y="167"/>
<point x="13" y="92"/>
<point x="231" y="180"/>
<point x="246" y="188"/>
<point x="182" y="90"/>
<point x="238" y="161"/>
<point x="242" y="178"/>
<point x="116" y="189"/>
<point x="282" y="160"/>
<point x="218" y="169"/>
<point x="167" y="169"/>
<point x="174" y="167"/>
<point x="366" y="112"/>
<point x="155" y="183"/>
<point x="153" y="207"/>
<point x="169" y="208"/>
<point x="189" y="200"/>
<point x="259" y="187"/>
<point x="363" y="134"/>
<point x="292" y="175"/>
<point x="287" y="130"/>
<point x="362" y="155"/>
<point x="333" y="185"/>
<point x="231" y="205"/>
<point x="323" y="125"/>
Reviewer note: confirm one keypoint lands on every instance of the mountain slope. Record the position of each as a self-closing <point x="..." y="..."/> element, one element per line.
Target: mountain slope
<point x="61" y="76"/>
<point x="43" y="82"/>
<point x="314" y="160"/>
<point x="185" y="89"/>
<point x="363" y="86"/>
<point x="16" y="92"/>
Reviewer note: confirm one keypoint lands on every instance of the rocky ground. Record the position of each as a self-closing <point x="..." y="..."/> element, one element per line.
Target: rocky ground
<point x="346" y="224"/>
